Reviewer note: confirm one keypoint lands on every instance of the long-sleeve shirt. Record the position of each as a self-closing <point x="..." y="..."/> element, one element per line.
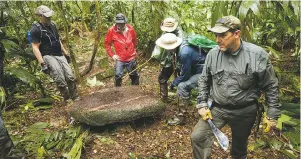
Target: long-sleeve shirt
<point x="124" y="43"/>
<point x="192" y="60"/>
<point x="165" y="58"/>
<point x="237" y="79"/>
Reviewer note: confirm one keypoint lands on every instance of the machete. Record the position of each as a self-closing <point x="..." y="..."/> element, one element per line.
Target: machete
<point x="221" y="137"/>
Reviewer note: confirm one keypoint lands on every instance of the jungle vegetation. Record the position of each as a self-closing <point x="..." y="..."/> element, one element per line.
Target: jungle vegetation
<point x="273" y="25"/>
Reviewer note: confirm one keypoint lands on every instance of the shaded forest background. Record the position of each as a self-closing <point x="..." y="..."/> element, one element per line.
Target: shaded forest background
<point x="274" y="25"/>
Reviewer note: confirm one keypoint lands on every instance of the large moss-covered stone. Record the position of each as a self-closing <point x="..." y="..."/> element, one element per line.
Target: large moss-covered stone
<point x="115" y="105"/>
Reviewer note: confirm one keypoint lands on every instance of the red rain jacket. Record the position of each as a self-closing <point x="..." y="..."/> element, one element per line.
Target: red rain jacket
<point x="124" y="44"/>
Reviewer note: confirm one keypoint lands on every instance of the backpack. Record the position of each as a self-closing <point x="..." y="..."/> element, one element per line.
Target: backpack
<point x="28" y="35"/>
<point x="199" y="41"/>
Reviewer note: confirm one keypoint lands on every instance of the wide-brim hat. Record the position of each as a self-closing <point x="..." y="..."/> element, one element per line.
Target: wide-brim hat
<point x="169" y="24"/>
<point x="45" y="11"/>
<point x="169" y="41"/>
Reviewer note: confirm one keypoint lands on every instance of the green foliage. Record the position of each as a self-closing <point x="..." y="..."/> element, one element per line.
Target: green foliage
<point x="2" y="99"/>
<point x="75" y="151"/>
<point x="39" y="141"/>
<point x="23" y="75"/>
<point x="289" y="153"/>
<point x="271" y="23"/>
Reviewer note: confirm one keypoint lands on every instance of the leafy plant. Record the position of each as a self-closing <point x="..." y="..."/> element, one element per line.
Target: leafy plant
<point x="40" y="142"/>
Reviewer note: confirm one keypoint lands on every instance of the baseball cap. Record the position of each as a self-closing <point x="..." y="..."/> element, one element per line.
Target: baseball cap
<point x="45" y="11"/>
<point x="120" y="18"/>
<point x="225" y="23"/>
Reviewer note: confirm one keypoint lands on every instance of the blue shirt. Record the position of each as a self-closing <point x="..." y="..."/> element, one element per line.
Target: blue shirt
<point x="192" y="60"/>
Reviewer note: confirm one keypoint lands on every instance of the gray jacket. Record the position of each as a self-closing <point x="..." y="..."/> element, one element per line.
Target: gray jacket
<point x="237" y="79"/>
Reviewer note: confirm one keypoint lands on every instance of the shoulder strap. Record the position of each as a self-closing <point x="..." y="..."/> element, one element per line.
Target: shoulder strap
<point x="40" y="27"/>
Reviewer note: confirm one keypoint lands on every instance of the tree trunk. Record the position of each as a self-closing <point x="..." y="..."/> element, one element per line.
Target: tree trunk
<point x="96" y="41"/>
<point x="1" y="64"/>
<point x="77" y="74"/>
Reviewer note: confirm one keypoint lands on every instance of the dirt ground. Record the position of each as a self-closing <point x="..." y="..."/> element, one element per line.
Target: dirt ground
<point x="147" y="138"/>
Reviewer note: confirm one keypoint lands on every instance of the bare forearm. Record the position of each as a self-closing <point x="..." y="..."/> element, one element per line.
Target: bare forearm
<point x="37" y="53"/>
<point x="63" y="49"/>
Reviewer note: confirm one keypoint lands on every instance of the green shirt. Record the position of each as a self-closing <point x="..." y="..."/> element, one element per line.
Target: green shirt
<point x="237" y="79"/>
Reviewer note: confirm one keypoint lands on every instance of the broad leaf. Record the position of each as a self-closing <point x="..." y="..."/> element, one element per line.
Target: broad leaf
<point x="289" y="153"/>
<point x="283" y="118"/>
<point x="275" y="144"/>
<point x="23" y="75"/>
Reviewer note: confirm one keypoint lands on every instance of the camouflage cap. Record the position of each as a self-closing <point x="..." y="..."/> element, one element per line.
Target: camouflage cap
<point x="225" y="23"/>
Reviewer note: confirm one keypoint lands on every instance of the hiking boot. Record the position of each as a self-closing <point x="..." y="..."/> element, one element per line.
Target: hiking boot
<point x="164" y="92"/>
<point x="76" y="98"/>
<point x="178" y="119"/>
<point x="183" y="104"/>
<point x="118" y="82"/>
<point x="72" y="90"/>
<point x="64" y="92"/>
<point x="134" y="79"/>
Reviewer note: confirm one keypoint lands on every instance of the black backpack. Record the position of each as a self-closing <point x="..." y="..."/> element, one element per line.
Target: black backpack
<point x="28" y="35"/>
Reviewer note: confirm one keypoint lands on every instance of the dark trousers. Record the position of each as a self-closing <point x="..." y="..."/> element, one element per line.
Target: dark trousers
<point x="240" y="121"/>
<point x="6" y="143"/>
<point x="165" y="74"/>
<point x="129" y="66"/>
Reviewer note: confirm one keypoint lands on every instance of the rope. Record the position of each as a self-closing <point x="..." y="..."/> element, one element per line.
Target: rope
<point x="137" y="68"/>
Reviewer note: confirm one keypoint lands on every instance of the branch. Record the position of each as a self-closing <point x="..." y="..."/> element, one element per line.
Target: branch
<point x="96" y="41"/>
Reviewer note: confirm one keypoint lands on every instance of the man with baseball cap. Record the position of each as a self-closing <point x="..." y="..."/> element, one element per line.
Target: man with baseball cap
<point x="234" y="75"/>
<point x="123" y="37"/>
<point x="51" y="54"/>
<point x="192" y="61"/>
<point x="167" y="60"/>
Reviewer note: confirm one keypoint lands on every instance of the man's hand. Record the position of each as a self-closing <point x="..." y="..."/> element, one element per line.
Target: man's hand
<point x="45" y="68"/>
<point x="205" y="113"/>
<point x="115" y="57"/>
<point x="67" y="58"/>
<point x="268" y="123"/>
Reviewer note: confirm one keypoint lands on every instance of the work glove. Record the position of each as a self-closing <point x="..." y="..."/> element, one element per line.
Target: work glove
<point x="205" y="113"/>
<point x="115" y="57"/>
<point x="67" y="58"/>
<point x="45" y="68"/>
<point x="268" y="123"/>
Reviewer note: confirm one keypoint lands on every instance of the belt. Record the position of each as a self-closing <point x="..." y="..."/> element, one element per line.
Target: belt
<point x="234" y="107"/>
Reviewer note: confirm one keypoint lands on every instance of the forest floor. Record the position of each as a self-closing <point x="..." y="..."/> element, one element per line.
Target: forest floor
<point x="148" y="137"/>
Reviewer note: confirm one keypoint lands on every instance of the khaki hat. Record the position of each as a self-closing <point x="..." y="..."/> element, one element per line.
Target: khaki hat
<point x="169" y="41"/>
<point x="45" y="11"/>
<point x="169" y="24"/>
<point x="225" y="23"/>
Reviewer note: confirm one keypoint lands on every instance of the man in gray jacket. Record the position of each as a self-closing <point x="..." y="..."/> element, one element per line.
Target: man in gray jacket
<point x="235" y="72"/>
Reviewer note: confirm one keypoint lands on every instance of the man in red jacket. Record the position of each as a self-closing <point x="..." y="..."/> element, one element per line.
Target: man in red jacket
<point x="123" y="37"/>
